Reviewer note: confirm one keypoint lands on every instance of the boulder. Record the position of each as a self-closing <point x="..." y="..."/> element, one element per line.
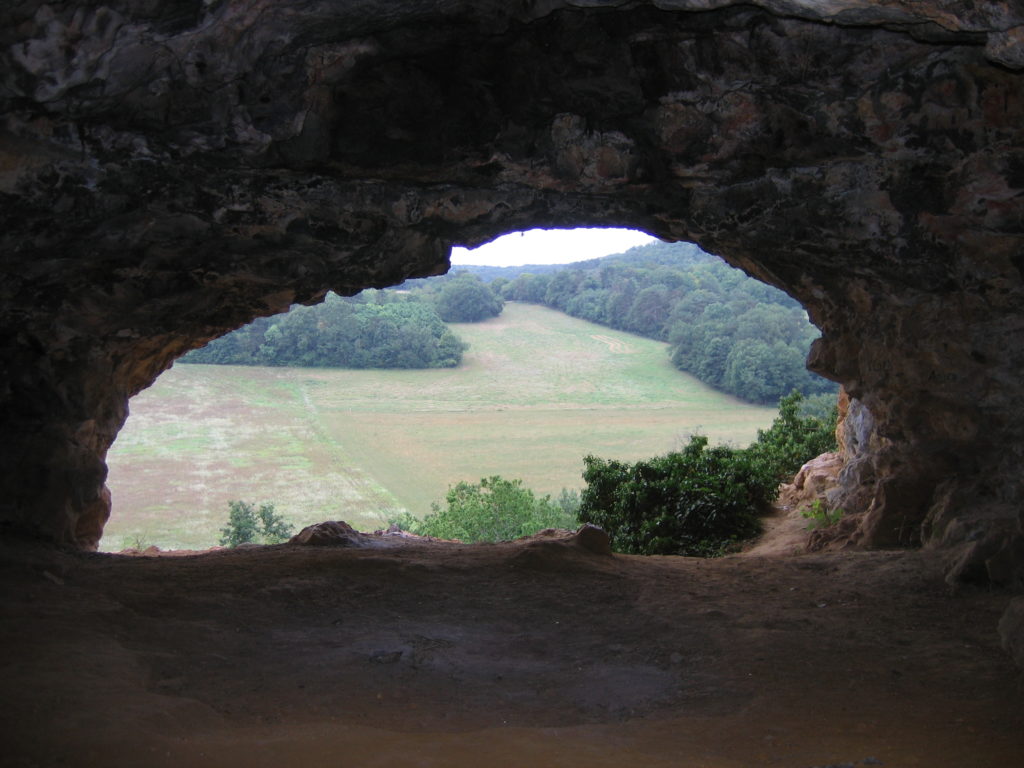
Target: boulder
<point x="331" y="533"/>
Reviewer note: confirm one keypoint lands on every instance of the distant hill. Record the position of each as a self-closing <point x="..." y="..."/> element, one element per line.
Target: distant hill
<point x="652" y="254"/>
<point x="729" y="330"/>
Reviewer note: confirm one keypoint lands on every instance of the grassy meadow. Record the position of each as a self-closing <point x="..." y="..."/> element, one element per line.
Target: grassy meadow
<point x="538" y="390"/>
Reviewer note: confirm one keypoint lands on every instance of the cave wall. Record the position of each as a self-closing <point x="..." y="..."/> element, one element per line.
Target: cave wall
<point x="170" y="169"/>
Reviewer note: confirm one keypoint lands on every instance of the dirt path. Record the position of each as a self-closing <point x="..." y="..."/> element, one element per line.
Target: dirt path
<point x="535" y="653"/>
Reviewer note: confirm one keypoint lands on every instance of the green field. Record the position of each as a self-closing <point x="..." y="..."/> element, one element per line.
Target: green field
<point x="538" y="390"/>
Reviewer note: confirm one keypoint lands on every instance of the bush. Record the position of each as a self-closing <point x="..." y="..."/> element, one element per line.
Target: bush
<point x="821" y="516"/>
<point x="793" y="439"/>
<point x="701" y="500"/>
<point x="249" y="525"/>
<point x="495" y="509"/>
<point x="693" y="502"/>
<point x="569" y="502"/>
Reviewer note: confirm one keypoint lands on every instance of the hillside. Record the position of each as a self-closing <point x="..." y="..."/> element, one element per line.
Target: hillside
<point x="668" y="254"/>
<point x="537" y="391"/>
<point x="730" y="331"/>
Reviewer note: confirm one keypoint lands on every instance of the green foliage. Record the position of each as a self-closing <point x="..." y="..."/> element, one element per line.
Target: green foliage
<point x="700" y="500"/>
<point x="404" y="521"/>
<point x="374" y="330"/>
<point x="467" y="299"/>
<point x="822" y="406"/>
<point x="527" y="287"/>
<point x="820" y="515"/>
<point x="495" y="509"/>
<point x="569" y="502"/>
<point x="793" y="439"/>
<point x="729" y="330"/>
<point x="250" y="525"/>
<point x="693" y="502"/>
<point x="138" y="541"/>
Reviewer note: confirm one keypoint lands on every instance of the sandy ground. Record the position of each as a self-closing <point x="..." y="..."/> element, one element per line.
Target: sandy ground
<point x="534" y="653"/>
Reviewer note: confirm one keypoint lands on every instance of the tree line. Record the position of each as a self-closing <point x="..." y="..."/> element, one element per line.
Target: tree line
<point x="729" y="330"/>
<point x="376" y="329"/>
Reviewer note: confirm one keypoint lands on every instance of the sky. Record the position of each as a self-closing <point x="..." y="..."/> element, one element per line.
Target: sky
<point x="550" y="246"/>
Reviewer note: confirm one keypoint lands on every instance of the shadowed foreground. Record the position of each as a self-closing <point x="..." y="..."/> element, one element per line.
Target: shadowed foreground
<point x="532" y="653"/>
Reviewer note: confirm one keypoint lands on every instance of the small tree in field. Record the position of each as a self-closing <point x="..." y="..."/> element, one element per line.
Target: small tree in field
<point x="250" y="525"/>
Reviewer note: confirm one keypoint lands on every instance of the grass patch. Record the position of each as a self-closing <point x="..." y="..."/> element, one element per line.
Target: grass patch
<point x="538" y="391"/>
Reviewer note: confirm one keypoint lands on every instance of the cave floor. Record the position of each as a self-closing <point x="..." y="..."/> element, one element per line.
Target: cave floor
<point x="534" y="653"/>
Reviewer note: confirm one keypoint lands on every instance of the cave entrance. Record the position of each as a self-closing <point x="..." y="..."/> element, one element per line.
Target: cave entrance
<point x="577" y="362"/>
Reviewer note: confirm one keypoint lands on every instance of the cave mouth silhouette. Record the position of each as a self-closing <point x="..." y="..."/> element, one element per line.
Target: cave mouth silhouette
<point x="193" y="443"/>
<point x="170" y="171"/>
<point x="177" y="171"/>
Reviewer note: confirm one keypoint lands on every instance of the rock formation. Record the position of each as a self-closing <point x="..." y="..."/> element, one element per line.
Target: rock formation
<point x="173" y="168"/>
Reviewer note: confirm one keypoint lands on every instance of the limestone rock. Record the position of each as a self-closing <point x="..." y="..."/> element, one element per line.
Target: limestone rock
<point x="992" y="557"/>
<point x="813" y="482"/>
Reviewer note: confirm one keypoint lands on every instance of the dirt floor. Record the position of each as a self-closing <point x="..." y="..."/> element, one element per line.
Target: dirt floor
<point x="535" y="653"/>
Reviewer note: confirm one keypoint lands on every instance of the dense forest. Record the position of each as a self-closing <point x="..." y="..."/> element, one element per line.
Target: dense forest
<point x="727" y="329"/>
<point x="376" y="329"/>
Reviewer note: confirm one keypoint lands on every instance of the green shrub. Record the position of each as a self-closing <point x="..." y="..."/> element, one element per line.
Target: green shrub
<point x="138" y="541"/>
<point x="495" y="509"/>
<point x="404" y="521"/>
<point x="250" y="525"/>
<point x="569" y="502"/>
<point x="793" y="439"/>
<point x="700" y="500"/>
<point x="821" y="516"/>
<point x="693" y="502"/>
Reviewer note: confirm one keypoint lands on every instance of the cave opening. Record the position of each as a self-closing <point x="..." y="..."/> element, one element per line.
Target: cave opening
<point x="865" y="161"/>
<point x="265" y="415"/>
<point x="169" y="171"/>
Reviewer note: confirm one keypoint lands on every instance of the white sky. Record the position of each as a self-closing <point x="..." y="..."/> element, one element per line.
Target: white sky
<point x="550" y="246"/>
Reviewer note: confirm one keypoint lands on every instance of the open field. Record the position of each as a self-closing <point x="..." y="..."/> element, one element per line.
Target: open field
<point x="537" y="391"/>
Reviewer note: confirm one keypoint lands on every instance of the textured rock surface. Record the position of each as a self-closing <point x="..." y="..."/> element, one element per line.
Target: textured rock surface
<point x="1011" y="630"/>
<point x="169" y="170"/>
<point x="331" y="533"/>
<point x="812" y="483"/>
